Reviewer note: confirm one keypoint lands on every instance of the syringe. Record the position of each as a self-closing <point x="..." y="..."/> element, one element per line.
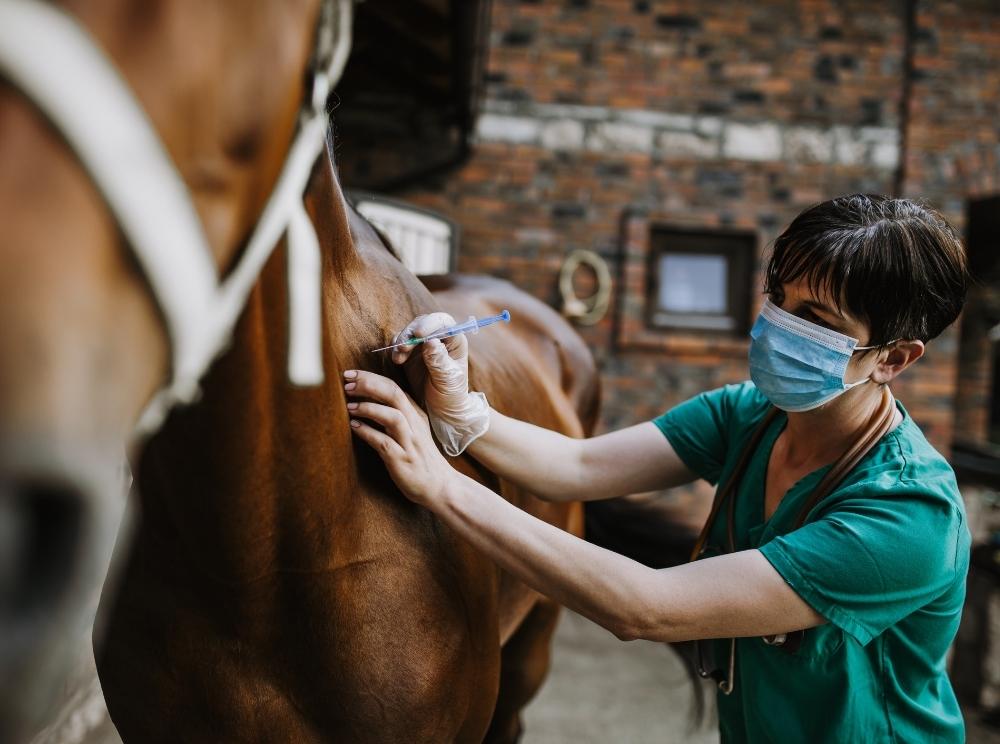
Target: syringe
<point x="470" y="326"/>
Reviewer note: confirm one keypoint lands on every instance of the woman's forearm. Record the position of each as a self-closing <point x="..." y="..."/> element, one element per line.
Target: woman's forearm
<point x="739" y="594"/>
<point x="544" y="462"/>
<point x="559" y="468"/>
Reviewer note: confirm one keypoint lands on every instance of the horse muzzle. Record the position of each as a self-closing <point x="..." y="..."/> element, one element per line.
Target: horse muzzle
<point x="59" y="517"/>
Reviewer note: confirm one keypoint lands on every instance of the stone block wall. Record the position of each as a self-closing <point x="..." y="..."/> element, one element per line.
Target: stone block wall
<point x="728" y="114"/>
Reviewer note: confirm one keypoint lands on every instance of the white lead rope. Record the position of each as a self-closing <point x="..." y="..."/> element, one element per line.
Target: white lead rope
<point x="52" y="59"/>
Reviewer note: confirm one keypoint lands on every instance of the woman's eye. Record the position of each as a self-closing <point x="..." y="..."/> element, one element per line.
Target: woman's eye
<point x="812" y="317"/>
<point x="820" y="322"/>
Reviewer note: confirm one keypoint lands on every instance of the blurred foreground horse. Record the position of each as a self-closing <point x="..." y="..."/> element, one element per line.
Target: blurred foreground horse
<point x="277" y="587"/>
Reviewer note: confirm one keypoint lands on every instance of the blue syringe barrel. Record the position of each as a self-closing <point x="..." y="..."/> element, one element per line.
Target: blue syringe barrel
<point x="470" y="326"/>
<point x="504" y="316"/>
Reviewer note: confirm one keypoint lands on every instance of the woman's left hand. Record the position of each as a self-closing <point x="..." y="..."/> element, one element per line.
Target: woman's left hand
<point x="406" y="445"/>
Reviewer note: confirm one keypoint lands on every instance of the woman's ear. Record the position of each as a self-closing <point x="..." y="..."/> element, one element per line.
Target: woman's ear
<point x="898" y="357"/>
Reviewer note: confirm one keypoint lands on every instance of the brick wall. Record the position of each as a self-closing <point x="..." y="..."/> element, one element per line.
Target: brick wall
<point x="953" y="158"/>
<point x="598" y="112"/>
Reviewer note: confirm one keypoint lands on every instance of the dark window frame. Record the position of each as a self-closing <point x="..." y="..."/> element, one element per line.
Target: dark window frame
<point x="738" y="247"/>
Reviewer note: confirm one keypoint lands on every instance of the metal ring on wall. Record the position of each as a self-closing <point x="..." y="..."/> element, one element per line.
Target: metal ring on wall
<point x="587" y="310"/>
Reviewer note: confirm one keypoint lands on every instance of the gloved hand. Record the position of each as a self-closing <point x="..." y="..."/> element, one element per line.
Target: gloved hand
<point x="457" y="416"/>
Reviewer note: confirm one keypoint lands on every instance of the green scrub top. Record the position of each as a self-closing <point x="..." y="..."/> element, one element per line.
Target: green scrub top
<point x="883" y="558"/>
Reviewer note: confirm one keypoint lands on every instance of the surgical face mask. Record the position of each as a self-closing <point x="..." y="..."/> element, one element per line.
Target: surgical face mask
<point x="796" y="364"/>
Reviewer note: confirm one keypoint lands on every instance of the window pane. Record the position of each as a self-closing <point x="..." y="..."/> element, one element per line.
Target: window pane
<point x="692" y="283"/>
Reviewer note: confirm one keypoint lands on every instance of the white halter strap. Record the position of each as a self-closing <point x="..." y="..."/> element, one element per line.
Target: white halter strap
<point x="52" y="59"/>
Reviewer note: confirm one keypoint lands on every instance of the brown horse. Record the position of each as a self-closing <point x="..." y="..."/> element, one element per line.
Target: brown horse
<point x="279" y="587"/>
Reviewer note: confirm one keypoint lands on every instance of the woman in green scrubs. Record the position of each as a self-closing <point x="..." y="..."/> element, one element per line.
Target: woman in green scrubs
<point x="869" y="558"/>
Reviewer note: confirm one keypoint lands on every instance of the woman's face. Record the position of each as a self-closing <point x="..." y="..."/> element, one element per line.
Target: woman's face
<point x="801" y="301"/>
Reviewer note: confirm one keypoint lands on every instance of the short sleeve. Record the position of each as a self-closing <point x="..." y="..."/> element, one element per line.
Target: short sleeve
<point x="699" y="429"/>
<point x="871" y="561"/>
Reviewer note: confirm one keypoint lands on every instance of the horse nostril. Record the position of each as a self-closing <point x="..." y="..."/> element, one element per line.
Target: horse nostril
<point x="41" y="524"/>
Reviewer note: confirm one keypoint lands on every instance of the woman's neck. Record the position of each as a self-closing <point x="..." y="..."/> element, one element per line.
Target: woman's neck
<point x="823" y="434"/>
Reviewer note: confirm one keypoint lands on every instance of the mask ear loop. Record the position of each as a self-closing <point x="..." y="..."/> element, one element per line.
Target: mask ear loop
<point x="873" y="346"/>
<point x="849" y="385"/>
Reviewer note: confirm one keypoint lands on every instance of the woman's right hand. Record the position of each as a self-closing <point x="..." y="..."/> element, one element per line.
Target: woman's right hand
<point x="447" y="383"/>
<point x="457" y="416"/>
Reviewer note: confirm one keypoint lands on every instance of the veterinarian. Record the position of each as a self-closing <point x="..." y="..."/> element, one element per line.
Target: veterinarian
<point x="834" y="516"/>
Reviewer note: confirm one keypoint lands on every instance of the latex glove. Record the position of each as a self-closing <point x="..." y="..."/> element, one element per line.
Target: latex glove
<point x="457" y="417"/>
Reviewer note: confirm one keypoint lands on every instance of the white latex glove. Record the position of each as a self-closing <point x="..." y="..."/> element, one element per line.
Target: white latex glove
<point x="457" y="416"/>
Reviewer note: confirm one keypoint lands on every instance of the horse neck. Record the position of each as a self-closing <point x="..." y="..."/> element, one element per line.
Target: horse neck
<point x="257" y="460"/>
<point x="332" y="216"/>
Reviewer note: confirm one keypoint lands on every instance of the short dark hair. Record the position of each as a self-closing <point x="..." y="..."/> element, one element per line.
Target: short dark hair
<point x="894" y="263"/>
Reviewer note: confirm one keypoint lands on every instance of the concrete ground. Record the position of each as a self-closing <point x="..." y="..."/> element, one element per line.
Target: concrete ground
<point x="602" y="690"/>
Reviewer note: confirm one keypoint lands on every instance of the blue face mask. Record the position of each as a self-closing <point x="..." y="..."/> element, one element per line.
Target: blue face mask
<point x="796" y="364"/>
